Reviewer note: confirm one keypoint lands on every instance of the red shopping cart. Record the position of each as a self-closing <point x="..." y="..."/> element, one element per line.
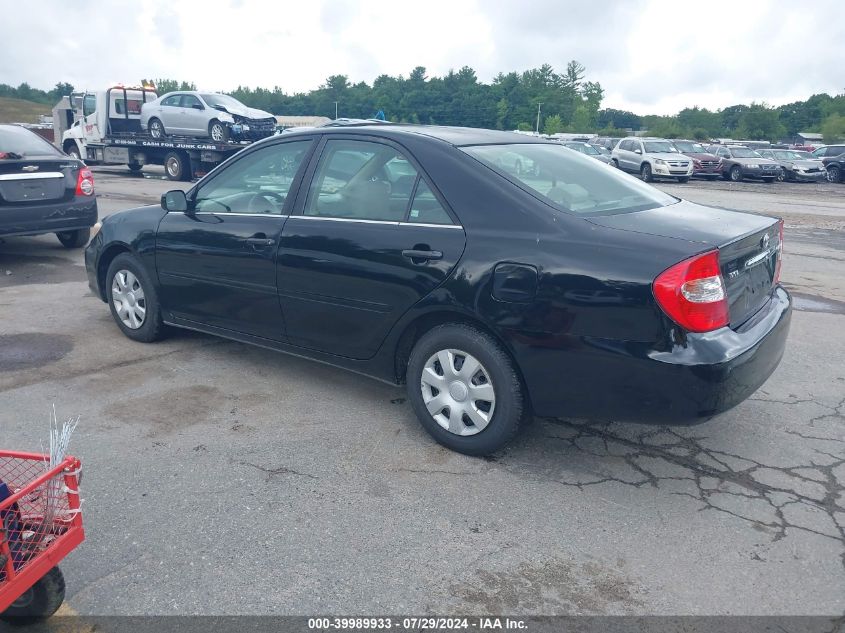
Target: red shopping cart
<point x="40" y="524"/>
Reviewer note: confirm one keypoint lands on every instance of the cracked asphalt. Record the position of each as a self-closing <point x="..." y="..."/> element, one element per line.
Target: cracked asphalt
<point x="224" y="479"/>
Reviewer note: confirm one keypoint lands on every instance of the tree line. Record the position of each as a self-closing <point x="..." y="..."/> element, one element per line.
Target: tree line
<point x="567" y="102"/>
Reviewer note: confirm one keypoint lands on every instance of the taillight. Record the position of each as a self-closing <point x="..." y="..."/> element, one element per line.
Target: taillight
<point x="779" y="253"/>
<point x="85" y="182"/>
<point x="692" y="293"/>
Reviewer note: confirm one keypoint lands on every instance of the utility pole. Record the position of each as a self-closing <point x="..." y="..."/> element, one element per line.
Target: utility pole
<point x="538" y="118"/>
<point x="335" y="110"/>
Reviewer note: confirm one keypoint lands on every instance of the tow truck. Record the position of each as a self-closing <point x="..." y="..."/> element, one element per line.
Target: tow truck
<point x="104" y="128"/>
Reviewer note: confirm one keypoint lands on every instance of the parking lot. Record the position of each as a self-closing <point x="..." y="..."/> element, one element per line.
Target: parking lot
<point x="227" y="479"/>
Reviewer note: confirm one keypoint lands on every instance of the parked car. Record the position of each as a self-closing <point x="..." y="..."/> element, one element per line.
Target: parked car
<point x="794" y="166"/>
<point x="704" y="164"/>
<point x="42" y="190"/>
<point x="515" y="163"/>
<point x="492" y="295"/>
<point x="608" y="142"/>
<point x="835" y="166"/>
<point x="217" y="116"/>
<point x="826" y="151"/>
<point x="589" y="150"/>
<point x="740" y="162"/>
<point x="651" y="158"/>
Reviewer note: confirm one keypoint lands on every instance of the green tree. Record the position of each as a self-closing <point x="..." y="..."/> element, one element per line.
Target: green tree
<point x="833" y="128"/>
<point x="553" y="124"/>
<point x="760" y="122"/>
<point x="582" y="119"/>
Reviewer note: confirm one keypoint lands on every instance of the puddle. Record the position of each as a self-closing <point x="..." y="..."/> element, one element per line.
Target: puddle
<point x="35" y="349"/>
<point x="812" y="303"/>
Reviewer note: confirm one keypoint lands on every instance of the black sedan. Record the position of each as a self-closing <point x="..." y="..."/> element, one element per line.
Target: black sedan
<point x="42" y="190"/>
<point x="409" y="254"/>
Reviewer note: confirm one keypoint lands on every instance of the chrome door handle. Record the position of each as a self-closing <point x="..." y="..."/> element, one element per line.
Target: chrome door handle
<point x="424" y="255"/>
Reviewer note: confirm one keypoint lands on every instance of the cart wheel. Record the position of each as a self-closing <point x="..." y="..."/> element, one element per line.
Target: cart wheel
<point x="39" y="602"/>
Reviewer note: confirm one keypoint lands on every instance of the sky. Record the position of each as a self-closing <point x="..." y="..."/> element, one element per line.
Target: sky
<point x="650" y="56"/>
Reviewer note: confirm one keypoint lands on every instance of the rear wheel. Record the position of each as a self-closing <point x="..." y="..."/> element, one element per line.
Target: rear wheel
<point x="135" y="167"/>
<point x="834" y="174"/>
<point x="156" y="128"/>
<point x="40" y="601"/>
<point x="769" y="181"/>
<point x="464" y="389"/>
<point x="782" y="176"/>
<point x="218" y="132"/>
<point x="736" y="173"/>
<point x="74" y="239"/>
<point x="645" y="173"/>
<point x="133" y="300"/>
<point x="176" y="166"/>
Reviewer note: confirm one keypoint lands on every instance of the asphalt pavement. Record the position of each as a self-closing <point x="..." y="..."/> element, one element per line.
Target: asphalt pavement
<point x="227" y="479"/>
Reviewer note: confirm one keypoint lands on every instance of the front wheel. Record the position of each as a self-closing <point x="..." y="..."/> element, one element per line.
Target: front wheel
<point x="645" y="173"/>
<point x="782" y="176"/>
<point x="834" y="174"/>
<point x="133" y="300"/>
<point x="218" y="132"/>
<point x="464" y="389"/>
<point x="736" y="173"/>
<point x="74" y="239"/>
<point x="40" y="601"/>
<point x="156" y="129"/>
<point x="135" y="167"/>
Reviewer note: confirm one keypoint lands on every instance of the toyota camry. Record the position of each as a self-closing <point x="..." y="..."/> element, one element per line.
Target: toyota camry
<point x="410" y="254"/>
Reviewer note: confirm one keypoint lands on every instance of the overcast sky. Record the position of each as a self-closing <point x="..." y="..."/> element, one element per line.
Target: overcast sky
<point x="651" y="56"/>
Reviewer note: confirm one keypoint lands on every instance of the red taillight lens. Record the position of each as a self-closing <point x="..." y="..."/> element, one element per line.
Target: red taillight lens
<point x="692" y="293"/>
<point x="779" y="254"/>
<point x="85" y="182"/>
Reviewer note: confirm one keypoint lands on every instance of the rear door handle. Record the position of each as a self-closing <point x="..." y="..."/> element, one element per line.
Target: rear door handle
<point x="424" y="255"/>
<point x="259" y="241"/>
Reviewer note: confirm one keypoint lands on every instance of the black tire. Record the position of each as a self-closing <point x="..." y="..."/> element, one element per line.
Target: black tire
<point x="135" y="167"/>
<point x="645" y="173"/>
<point x="152" y="328"/>
<point x="177" y="166"/>
<point x="73" y="152"/>
<point x="74" y="239"/>
<point x="218" y="132"/>
<point x="683" y="179"/>
<point x="783" y="176"/>
<point x="834" y="174"/>
<point x="39" y="602"/>
<point x="736" y="173"/>
<point x="156" y="128"/>
<point x="510" y="409"/>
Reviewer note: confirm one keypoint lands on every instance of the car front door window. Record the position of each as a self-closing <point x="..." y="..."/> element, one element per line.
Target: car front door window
<point x="256" y="184"/>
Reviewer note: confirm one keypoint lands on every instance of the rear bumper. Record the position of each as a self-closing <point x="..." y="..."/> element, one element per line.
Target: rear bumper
<point x="80" y="213"/>
<point x="705" y="375"/>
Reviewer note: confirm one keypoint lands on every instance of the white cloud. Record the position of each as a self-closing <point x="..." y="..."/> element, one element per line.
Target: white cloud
<point x="651" y="56"/>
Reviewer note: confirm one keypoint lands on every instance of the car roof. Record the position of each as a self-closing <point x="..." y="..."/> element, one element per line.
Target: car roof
<point x="457" y="136"/>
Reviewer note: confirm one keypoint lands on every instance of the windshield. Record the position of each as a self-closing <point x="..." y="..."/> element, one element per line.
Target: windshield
<point x="786" y="155"/>
<point x="655" y="147"/>
<point x="804" y="155"/>
<point x="570" y="182"/>
<point x="214" y="100"/>
<point x="744" y="152"/>
<point x="691" y="148"/>
<point x="18" y="142"/>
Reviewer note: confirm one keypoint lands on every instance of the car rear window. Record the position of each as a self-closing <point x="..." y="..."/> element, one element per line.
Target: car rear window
<point x="21" y="142"/>
<point x="568" y="180"/>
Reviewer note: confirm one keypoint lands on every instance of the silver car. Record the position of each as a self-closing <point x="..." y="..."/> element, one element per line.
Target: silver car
<point x="200" y="114"/>
<point x="794" y="166"/>
<point x="589" y="150"/>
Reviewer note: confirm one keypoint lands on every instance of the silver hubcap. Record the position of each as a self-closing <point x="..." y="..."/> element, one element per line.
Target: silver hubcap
<point x="457" y="392"/>
<point x="217" y="132"/>
<point x="155" y="128"/>
<point x="173" y="167"/>
<point x="128" y="297"/>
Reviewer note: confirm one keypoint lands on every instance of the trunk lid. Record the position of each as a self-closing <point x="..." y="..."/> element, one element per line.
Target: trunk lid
<point x="37" y="180"/>
<point x="749" y="246"/>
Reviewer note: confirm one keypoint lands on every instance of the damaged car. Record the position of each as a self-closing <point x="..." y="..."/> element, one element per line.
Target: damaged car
<point x="203" y="114"/>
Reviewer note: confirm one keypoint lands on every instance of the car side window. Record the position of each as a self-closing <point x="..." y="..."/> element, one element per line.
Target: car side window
<point x="258" y="183"/>
<point x="190" y="101"/>
<point x="426" y="208"/>
<point x="172" y="100"/>
<point x="361" y="180"/>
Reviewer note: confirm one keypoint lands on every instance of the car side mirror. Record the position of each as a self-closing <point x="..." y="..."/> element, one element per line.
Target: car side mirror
<point x="638" y="151"/>
<point x="175" y="201"/>
<point x="197" y="106"/>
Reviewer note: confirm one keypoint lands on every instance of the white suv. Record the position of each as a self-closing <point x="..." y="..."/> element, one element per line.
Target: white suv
<point x="651" y="158"/>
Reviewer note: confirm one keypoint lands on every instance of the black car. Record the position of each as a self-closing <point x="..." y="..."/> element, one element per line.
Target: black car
<point x="409" y="254"/>
<point x="835" y="166"/>
<point x="42" y="190"/>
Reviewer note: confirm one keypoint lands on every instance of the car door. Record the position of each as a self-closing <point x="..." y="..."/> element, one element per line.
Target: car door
<point x="626" y="152"/>
<point x="369" y="238"/>
<point x="217" y="263"/>
<point x="192" y="116"/>
<point x="169" y="114"/>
